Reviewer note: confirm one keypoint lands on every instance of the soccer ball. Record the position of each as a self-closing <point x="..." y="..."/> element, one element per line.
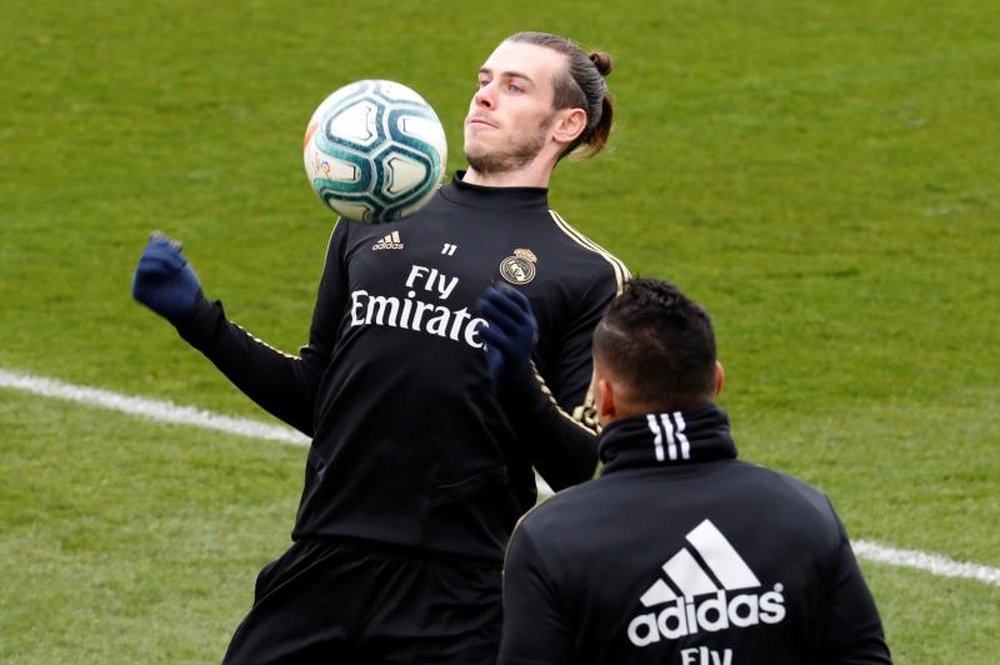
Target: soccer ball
<point x="374" y="151"/>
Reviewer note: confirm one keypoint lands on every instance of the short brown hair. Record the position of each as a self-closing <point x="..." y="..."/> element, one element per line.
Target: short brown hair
<point x="660" y="344"/>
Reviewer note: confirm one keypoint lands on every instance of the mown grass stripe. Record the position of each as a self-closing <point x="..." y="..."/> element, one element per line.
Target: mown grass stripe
<point x="168" y="412"/>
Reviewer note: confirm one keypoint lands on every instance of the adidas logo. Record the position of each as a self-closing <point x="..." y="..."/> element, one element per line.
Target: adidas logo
<point x="391" y="241"/>
<point x="670" y="427"/>
<point x="697" y="592"/>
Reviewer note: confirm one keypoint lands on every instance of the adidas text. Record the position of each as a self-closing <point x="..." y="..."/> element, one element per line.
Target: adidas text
<point x="390" y="241"/>
<point x="684" y="617"/>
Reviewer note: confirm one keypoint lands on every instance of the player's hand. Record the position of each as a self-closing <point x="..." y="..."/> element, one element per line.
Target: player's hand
<point x="512" y="332"/>
<point x="163" y="279"/>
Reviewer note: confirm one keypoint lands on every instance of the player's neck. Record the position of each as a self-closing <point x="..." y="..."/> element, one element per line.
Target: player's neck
<point x="529" y="176"/>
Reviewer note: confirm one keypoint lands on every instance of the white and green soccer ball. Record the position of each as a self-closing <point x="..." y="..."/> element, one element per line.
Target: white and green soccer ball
<point x="375" y="151"/>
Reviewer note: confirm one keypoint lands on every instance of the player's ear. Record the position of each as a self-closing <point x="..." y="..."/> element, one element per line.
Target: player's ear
<point x="569" y="124"/>
<point x="720" y="377"/>
<point x="605" y="402"/>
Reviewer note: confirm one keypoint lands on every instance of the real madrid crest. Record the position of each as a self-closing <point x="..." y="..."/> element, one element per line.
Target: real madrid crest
<point x="520" y="268"/>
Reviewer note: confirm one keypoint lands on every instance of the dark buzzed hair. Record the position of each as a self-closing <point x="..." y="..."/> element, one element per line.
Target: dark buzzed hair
<point x="582" y="85"/>
<point x="660" y="344"/>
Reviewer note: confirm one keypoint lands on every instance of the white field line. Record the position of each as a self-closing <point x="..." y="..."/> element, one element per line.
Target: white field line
<point x="931" y="563"/>
<point x="168" y="412"/>
<point x="150" y="409"/>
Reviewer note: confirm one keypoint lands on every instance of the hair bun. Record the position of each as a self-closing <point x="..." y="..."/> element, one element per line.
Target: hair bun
<point x="602" y="61"/>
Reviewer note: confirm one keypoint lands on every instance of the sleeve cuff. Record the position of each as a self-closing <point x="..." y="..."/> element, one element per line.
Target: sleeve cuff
<point x="197" y="327"/>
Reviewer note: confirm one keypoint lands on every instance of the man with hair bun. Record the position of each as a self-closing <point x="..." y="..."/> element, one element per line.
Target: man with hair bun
<point x="679" y="554"/>
<point x="417" y="470"/>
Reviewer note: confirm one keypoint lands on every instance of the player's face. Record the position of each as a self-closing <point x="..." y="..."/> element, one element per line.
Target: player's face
<point x="511" y="114"/>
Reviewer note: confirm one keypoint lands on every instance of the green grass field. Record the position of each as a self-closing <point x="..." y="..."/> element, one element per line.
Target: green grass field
<point x="822" y="176"/>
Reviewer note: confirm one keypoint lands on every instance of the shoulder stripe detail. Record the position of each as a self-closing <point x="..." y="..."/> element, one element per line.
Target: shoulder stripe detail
<point x="547" y="392"/>
<point x="257" y="340"/>
<point x="621" y="271"/>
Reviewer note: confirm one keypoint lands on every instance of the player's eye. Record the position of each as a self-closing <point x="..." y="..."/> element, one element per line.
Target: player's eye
<point x="515" y="88"/>
<point x="483" y="82"/>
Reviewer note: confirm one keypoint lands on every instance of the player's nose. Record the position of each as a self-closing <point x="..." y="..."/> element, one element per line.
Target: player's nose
<point x="485" y="97"/>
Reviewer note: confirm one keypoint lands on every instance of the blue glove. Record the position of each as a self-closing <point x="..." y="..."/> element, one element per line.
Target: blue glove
<point x="163" y="279"/>
<point x="512" y="332"/>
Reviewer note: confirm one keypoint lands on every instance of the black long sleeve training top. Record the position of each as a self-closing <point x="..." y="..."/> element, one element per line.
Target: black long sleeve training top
<point x="410" y="445"/>
<point x="680" y="554"/>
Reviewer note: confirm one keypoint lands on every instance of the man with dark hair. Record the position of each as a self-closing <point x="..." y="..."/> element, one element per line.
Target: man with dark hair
<point x="417" y="472"/>
<point x="679" y="553"/>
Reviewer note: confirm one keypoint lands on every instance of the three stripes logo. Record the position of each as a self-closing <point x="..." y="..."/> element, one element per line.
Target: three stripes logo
<point x="668" y="428"/>
<point x="697" y="593"/>
<point x="390" y="241"/>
